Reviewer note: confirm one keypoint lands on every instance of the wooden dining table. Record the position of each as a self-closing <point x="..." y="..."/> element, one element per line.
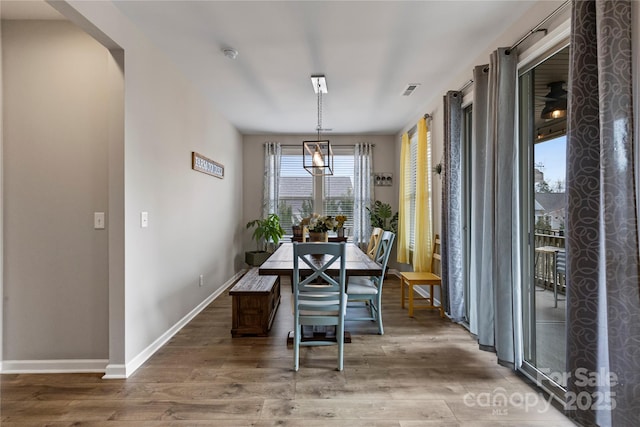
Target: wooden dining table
<point x="358" y="263"/>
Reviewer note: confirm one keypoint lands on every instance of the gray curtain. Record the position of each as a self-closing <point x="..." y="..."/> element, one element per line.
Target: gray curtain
<point x="502" y="108"/>
<point x="272" y="156"/>
<point x="480" y="253"/>
<point x="603" y="297"/>
<point x="494" y="206"/>
<point x="363" y="193"/>
<point x="451" y="245"/>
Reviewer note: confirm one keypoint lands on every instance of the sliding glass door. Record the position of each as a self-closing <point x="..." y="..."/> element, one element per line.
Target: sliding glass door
<point x="543" y="107"/>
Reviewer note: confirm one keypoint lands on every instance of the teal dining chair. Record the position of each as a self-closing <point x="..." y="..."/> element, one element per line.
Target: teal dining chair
<point x="368" y="290"/>
<point x="319" y="299"/>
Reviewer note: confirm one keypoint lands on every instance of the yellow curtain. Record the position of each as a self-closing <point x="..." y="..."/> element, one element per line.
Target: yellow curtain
<point x="424" y="205"/>
<point x="404" y="204"/>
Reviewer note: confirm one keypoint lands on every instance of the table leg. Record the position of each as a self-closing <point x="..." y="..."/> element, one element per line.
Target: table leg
<point x="402" y="283"/>
<point x="410" y="290"/>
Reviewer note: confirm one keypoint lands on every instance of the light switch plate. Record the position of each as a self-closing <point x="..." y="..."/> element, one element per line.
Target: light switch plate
<point x="98" y="220"/>
<point x="144" y="219"/>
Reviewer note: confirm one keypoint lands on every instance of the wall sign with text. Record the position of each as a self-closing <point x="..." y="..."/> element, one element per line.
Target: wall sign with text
<point x="203" y="164"/>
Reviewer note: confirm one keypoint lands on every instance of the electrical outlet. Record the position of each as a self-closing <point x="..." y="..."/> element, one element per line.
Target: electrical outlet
<point x="201" y="282"/>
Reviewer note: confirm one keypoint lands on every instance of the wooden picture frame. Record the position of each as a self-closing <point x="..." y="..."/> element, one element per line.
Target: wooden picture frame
<point x="204" y="164"/>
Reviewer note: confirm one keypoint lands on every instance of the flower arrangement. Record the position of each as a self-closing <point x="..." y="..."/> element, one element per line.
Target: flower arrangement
<point x="321" y="224"/>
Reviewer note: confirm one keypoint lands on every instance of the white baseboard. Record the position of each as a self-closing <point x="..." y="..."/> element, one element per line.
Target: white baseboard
<point x="111" y="371"/>
<point x="62" y="366"/>
<point x="115" y="372"/>
<point x="145" y="354"/>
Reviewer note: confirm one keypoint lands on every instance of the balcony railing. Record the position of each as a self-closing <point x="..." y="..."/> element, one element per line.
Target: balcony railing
<point x="549" y="238"/>
<point x="545" y="273"/>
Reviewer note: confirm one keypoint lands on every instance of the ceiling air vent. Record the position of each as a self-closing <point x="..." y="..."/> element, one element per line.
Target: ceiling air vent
<point x="410" y="88"/>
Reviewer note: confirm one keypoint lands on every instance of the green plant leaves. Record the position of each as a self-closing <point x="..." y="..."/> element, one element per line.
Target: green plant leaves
<point x="267" y="229"/>
<point x="381" y="215"/>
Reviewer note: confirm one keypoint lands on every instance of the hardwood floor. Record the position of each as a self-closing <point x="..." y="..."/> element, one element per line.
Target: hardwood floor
<point x="424" y="371"/>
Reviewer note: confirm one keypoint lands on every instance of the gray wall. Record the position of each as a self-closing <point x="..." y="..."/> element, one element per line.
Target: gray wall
<point x="194" y="219"/>
<point x="55" y="177"/>
<point x="384" y="160"/>
<point x="84" y="133"/>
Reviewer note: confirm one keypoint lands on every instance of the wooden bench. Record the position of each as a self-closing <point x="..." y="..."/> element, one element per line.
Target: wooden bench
<point x="255" y="301"/>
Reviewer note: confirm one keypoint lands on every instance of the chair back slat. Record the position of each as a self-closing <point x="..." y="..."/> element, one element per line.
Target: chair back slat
<point x="374" y="242"/>
<point x="319" y="273"/>
<point x="436" y="258"/>
<point x="384" y="251"/>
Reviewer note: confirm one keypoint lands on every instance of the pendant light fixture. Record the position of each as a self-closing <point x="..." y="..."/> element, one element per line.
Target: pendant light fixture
<point x="555" y="106"/>
<point x="317" y="155"/>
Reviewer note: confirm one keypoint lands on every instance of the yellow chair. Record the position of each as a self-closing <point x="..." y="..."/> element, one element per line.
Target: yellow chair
<point x="374" y="241"/>
<point x="411" y="279"/>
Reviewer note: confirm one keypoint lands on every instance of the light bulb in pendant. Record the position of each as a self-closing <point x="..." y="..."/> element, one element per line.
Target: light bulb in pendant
<point x="318" y="159"/>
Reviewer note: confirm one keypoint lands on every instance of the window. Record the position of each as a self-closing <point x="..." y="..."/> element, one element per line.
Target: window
<point x="410" y="190"/>
<point x="300" y="194"/>
<point x="295" y="191"/>
<point x="337" y="191"/>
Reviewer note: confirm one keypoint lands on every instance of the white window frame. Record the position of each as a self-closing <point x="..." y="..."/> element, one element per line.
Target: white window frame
<point x="318" y="182"/>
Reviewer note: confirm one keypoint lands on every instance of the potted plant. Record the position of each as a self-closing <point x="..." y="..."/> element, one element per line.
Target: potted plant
<point x="267" y="230"/>
<point x="382" y="216"/>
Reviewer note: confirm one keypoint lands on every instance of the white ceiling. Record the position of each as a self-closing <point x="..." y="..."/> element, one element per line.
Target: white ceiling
<point x="368" y="50"/>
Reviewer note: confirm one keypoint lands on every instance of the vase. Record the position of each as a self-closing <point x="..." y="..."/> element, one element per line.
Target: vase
<point x="341" y="232"/>
<point x="318" y="236"/>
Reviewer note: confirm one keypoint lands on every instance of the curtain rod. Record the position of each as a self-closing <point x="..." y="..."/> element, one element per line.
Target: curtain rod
<point x="415" y="127"/>
<point x="335" y="145"/>
<point x="526" y="36"/>
<point x="466" y="85"/>
<point x="538" y="28"/>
